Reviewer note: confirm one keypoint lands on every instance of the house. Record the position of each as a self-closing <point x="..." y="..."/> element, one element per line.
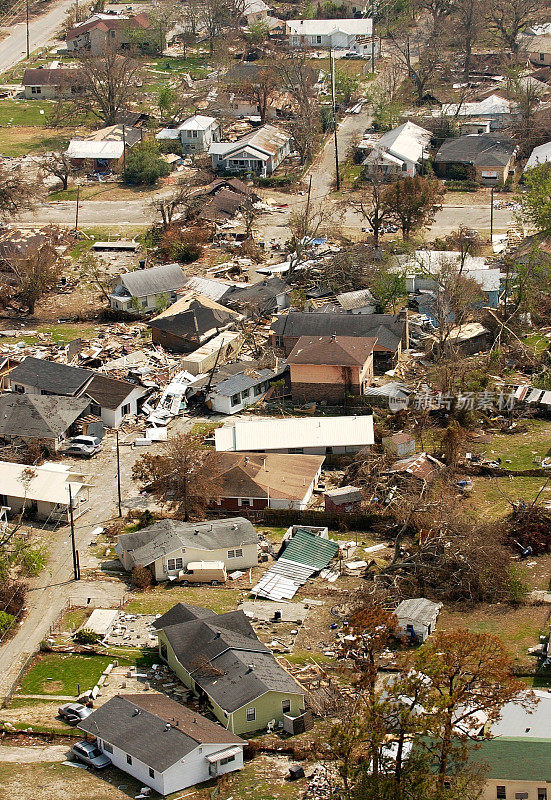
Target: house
<point x="336" y="34"/>
<point x="399" y="444"/>
<point x="113" y="399"/>
<point x="161" y="743"/>
<point x="222" y="199"/>
<point x="255" y="11"/>
<point x="487" y="158"/>
<point x="330" y="367"/>
<point x="102" y="31"/>
<point x="498" y="110"/>
<point x="43" y="491"/>
<point x="400" y="151"/>
<point x="144" y="290"/>
<point x="214" y="352"/>
<point x="267" y="296"/>
<point x="167" y="546"/>
<point x="512" y="768"/>
<point x="40" y="376"/>
<point x="538" y="49"/>
<point x="271" y="480"/>
<point x="103" y="151"/>
<point x="109" y="399"/>
<point x="359" y="302"/>
<point x="51" y="83"/>
<point x="421" y="467"/>
<point x="469" y="338"/>
<point x="190" y="322"/>
<point x="235" y="386"/>
<point x="259" y="152"/>
<point x="539" y="155"/>
<point x="417" y="617"/>
<point x="219" y="657"/>
<point x="196" y="134"/>
<point x="345" y="499"/>
<point x="310" y="435"/>
<point x="31" y="417"/>
<point x="390" y="331"/>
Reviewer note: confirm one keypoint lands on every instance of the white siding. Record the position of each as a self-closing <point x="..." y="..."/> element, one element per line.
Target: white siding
<point x="249" y="558"/>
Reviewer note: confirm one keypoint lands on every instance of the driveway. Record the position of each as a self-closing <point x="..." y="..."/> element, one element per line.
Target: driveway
<point x="41" y="32"/>
<point x="32" y="755"/>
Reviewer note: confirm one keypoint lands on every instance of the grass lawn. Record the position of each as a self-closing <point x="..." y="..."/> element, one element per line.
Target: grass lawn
<point x="204" y="428"/>
<point x="25" y="113"/>
<point x="158" y="600"/>
<point x="518" y="628"/>
<point x="23" y="141"/>
<point x="491" y="498"/>
<point x="63" y="673"/>
<point x="50" y="781"/>
<point x="61" y="333"/>
<point x="520" y="448"/>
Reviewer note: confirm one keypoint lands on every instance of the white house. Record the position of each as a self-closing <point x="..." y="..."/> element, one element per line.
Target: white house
<point x="498" y="110"/>
<point x="400" y="151"/>
<point x="539" y="155"/>
<point x="196" y="133"/>
<point x="259" y="152"/>
<point x="112" y="399"/>
<point x="338" y="34"/>
<point x="359" y="302"/>
<point x="162" y="743"/>
<point x="256" y="11"/>
<point x="143" y="290"/>
<point x="43" y="491"/>
<point x="240" y="390"/>
<point x="417" y="617"/>
<point x="168" y="546"/>
<point x="310" y="435"/>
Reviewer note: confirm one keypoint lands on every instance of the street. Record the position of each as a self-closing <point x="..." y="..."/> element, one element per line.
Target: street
<point x="41" y="31"/>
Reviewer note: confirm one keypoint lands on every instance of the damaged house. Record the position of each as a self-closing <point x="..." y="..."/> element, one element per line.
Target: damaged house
<point x="190" y="322"/>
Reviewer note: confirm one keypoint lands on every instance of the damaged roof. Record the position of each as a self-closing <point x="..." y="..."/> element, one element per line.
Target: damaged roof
<point x="154" y="280"/>
<point x="50" y="376"/>
<point x="388" y="329"/>
<point x="332" y="350"/>
<point x="276" y="475"/>
<point x="40" y="416"/>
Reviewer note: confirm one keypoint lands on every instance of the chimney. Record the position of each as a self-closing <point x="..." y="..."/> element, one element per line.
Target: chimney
<point x="250" y="668"/>
<point x="168" y="726"/>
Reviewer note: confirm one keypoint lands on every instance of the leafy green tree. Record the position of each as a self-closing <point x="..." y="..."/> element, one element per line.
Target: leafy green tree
<point x="346" y="85"/>
<point x="413" y="201"/>
<point x="144" y="165"/>
<point x="536" y="200"/>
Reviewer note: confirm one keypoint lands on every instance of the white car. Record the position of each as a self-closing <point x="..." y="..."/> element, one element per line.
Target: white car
<point x="85" y="446"/>
<point x="90" y="754"/>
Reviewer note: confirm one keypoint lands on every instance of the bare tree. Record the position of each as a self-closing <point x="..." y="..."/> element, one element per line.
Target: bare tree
<point x="58" y="165"/>
<point x="304" y="225"/>
<point x="260" y="90"/>
<point x="509" y="18"/>
<point x="422" y="60"/>
<point x="16" y="193"/>
<point x="91" y="269"/>
<point x="469" y="24"/>
<point x="185" y="200"/>
<point x="214" y="15"/>
<point x="36" y="274"/>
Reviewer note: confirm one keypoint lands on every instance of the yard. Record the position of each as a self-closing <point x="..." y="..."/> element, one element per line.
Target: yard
<point x="519" y="450"/>
<point x="63" y="674"/>
<point x="492" y="498"/>
<point x="159" y="599"/>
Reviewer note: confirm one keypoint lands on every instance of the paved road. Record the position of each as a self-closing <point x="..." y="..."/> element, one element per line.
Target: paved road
<point x="109" y="213"/>
<point x="41" y="29"/>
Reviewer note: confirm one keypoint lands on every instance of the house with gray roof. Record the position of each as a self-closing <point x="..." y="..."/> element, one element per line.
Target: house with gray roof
<point x="487" y="158"/>
<point x="220" y="658"/>
<point x="259" y="152"/>
<point x="29" y="417"/>
<point x="144" y="290"/>
<point x="167" y="546"/>
<point x="417" y="617"/>
<point x="161" y="743"/>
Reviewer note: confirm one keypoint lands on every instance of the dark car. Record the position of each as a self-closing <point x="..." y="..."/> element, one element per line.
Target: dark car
<point x="73" y="713"/>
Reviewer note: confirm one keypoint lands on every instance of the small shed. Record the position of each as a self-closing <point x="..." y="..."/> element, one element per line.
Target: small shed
<point x="417" y="617"/>
<point x="399" y="444"/>
<point x="344" y="499"/>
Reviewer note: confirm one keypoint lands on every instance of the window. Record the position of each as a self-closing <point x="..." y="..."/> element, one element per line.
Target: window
<point x="174" y="563"/>
<point x="125" y="409"/>
<point x="244" y="501"/>
<point x="227" y="760"/>
<point x="144" y="303"/>
<point x="258" y="389"/>
<point x="239" y="553"/>
<point x="251" y="714"/>
<point x="542" y="794"/>
<point x="194" y="134"/>
<point x="128" y="759"/>
<point x="318" y="39"/>
<point x="151" y="773"/>
<point x="501" y="793"/>
<point x="296" y="450"/>
<point x="112" y="34"/>
<point x="36" y="90"/>
<point x="108" y="748"/>
<point x="235" y="400"/>
<point x="404" y="167"/>
<point x="542" y="56"/>
<point x="285" y="706"/>
<point x="328" y="450"/>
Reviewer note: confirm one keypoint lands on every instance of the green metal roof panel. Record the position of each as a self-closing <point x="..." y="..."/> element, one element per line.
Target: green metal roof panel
<point x="514" y="759"/>
<point x="305" y="548"/>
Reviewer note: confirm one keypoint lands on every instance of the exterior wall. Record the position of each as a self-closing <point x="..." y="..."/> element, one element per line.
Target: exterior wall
<point x="201" y="142"/>
<point x="146" y="303"/>
<point x="321" y="382"/>
<point x="187" y="554"/>
<point x="94" y="165"/>
<point x="44" y="510"/>
<point x="420" y="629"/>
<point x="515" y="788"/>
<point x="268" y="707"/>
<point x="337" y="41"/>
<point x="46" y="92"/>
<point x="224" y="405"/>
<point x="540" y="59"/>
<point x="180" y="344"/>
<point x="236" y="503"/>
<point x="137" y="769"/>
<point x="311" y="451"/>
<point x="484" y="174"/>
<point x="114" y="417"/>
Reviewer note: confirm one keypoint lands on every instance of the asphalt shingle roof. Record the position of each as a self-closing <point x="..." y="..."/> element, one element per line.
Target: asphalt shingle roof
<point x="109" y="392"/>
<point x="160" y="734"/>
<point x="332" y="350"/>
<point x="41" y="416"/>
<point x="155" y="280"/>
<point x="483" y="150"/>
<point x="50" y="376"/>
<point x="386" y="328"/>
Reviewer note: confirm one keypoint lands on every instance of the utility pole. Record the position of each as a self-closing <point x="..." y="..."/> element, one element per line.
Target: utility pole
<point x="308" y="199"/>
<point x="491" y="214"/>
<point x="76" y="567"/>
<point x="27" y="20"/>
<point x="123" y="148"/>
<point x="76" y="211"/>
<point x="332" y="65"/>
<point x="119" y="476"/>
<point x="372" y="35"/>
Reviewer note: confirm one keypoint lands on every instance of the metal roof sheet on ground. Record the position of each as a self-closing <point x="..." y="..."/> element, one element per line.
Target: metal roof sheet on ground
<point x="101" y="620"/>
<point x="305" y="548"/>
<point x="94" y="149"/>
<point x="272" y="434"/>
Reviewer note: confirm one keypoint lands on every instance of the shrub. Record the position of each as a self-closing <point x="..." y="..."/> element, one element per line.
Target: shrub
<point x="86" y="636"/>
<point x="144" y="165"/>
<point x="6" y="621"/>
<point x="32" y="561"/>
<point x="141" y="577"/>
<point x="276" y="180"/>
<point x="182" y="246"/>
<point x="461" y="186"/>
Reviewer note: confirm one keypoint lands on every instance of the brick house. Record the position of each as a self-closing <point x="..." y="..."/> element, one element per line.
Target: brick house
<point x="330" y="367"/>
<point x="488" y="158"/>
<point x="103" y="31"/>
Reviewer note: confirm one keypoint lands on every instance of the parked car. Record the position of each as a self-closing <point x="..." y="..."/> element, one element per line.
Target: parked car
<point x="85" y="446"/>
<point x="212" y="572"/>
<point x="73" y="713"/>
<point x="90" y="754"/>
